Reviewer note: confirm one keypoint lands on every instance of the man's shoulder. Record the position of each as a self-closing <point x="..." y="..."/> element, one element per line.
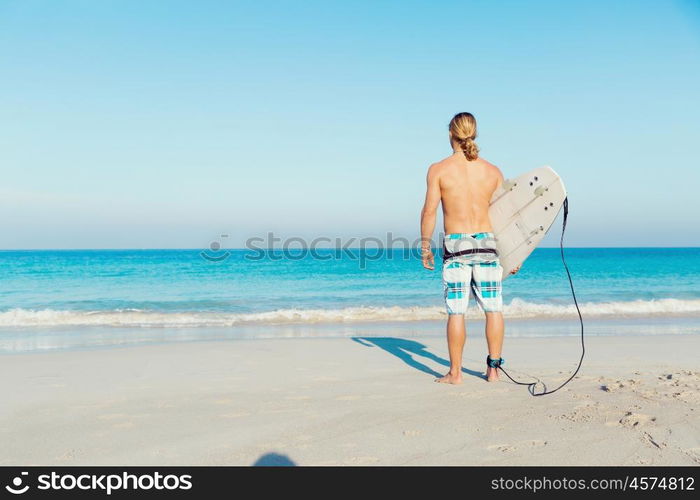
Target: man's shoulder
<point x="438" y="167"/>
<point x="491" y="168"/>
<point x="446" y="164"/>
<point x="441" y="165"/>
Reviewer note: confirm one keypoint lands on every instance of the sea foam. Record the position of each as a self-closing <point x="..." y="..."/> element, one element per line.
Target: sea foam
<point x="517" y="309"/>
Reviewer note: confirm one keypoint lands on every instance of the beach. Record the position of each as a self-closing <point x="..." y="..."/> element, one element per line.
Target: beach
<point x="234" y="234"/>
<point x="352" y="400"/>
<point x="162" y="357"/>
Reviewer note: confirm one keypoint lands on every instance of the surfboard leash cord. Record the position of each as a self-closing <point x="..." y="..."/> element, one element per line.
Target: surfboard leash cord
<point x="531" y="386"/>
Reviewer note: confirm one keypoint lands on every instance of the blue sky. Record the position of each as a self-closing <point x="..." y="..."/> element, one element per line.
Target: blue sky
<point x="129" y="124"/>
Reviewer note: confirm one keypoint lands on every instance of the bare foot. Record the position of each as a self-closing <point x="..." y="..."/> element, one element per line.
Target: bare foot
<point x="492" y="374"/>
<point x="450" y="379"/>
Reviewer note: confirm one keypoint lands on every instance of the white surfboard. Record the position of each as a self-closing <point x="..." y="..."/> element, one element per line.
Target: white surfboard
<point x="522" y="211"/>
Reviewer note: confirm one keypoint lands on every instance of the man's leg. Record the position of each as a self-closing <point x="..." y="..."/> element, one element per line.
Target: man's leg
<point x="487" y="289"/>
<point x="456" y="336"/>
<point x="494" y="339"/>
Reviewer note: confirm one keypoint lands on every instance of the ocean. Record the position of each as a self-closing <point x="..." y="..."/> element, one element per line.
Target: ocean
<point x="80" y="298"/>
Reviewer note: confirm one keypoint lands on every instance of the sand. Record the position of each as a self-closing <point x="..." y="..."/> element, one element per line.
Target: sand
<point x="331" y="401"/>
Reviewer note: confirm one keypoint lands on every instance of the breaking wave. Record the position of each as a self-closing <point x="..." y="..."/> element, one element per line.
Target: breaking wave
<point x="517" y="309"/>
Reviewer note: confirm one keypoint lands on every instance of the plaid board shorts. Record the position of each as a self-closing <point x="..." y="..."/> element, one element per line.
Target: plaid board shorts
<point x="476" y="274"/>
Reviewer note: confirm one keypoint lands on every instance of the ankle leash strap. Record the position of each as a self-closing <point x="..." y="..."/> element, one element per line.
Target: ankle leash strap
<point x="495" y="363"/>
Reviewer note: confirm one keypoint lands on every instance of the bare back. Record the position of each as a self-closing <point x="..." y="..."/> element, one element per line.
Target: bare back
<point x="466" y="188"/>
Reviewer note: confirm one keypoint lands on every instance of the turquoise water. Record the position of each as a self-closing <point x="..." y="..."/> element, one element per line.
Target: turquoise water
<point x="91" y="298"/>
<point x="180" y="287"/>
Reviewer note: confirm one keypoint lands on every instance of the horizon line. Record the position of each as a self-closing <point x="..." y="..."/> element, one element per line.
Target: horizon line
<point x="308" y="248"/>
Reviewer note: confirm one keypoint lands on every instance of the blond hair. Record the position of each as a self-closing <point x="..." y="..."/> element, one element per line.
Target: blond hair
<point x="463" y="133"/>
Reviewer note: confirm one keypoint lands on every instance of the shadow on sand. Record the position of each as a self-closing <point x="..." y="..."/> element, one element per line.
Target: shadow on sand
<point x="405" y="350"/>
<point x="274" y="460"/>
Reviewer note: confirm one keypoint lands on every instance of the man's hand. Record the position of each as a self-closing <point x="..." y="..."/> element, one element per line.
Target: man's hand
<point x="515" y="270"/>
<point x="427" y="218"/>
<point x="428" y="258"/>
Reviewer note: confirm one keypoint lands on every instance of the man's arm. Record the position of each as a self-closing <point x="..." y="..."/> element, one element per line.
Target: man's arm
<point x="499" y="178"/>
<point x="428" y="216"/>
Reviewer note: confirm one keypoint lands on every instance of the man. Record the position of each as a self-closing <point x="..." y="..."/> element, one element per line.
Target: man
<point x="464" y="183"/>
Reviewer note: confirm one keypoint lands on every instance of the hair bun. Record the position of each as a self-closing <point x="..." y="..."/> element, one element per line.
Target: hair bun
<point x="463" y="132"/>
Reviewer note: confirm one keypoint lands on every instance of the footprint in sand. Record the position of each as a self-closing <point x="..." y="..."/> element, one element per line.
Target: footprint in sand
<point x="632" y="420"/>
<point x="683" y="385"/>
<point x="650" y="439"/>
<point x="684" y="377"/>
<point x="615" y="386"/>
<point x="584" y="412"/>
